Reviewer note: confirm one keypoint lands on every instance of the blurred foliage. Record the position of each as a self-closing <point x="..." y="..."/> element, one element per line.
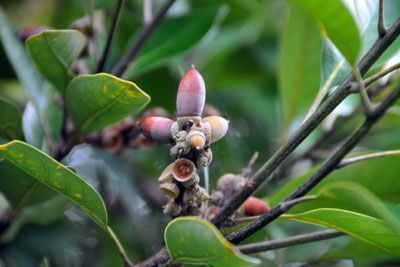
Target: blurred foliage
<point x="245" y="51"/>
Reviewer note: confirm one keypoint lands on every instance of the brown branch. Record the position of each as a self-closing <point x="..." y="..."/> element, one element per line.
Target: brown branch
<point x="308" y="126"/>
<point x="147" y="31"/>
<point x="110" y="37"/>
<point x="329" y="166"/>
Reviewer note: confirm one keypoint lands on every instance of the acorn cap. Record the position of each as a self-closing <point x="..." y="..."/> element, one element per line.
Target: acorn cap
<point x="254" y="206"/>
<point x="170" y="189"/>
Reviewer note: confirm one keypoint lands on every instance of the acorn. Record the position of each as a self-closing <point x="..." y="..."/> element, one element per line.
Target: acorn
<point x="166" y="175"/>
<point x="219" y="126"/>
<point x="196" y="140"/>
<point x="170" y="189"/>
<point x="184" y="171"/>
<point x="191" y="94"/>
<point x="254" y="206"/>
<point x="156" y="128"/>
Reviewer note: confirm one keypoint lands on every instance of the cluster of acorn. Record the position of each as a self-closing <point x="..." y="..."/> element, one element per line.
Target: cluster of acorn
<point x="190" y="137"/>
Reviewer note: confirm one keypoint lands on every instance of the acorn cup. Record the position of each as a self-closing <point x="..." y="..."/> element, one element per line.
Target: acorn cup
<point x="156" y="128"/>
<point x="184" y="171"/>
<point x="112" y="140"/>
<point x="166" y="175"/>
<point x="172" y="209"/>
<point x="204" y="158"/>
<point x="218" y="125"/>
<point x="191" y="94"/>
<point x="170" y="189"/>
<point x="203" y="128"/>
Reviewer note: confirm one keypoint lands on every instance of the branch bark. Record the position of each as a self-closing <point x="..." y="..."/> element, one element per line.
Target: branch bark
<point x="131" y="54"/>
<point x="308" y="126"/>
<point x="290" y="241"/>
<point x="297" y="138"/>
<point x="329" y="166"/>
<point x="110" y="37"/>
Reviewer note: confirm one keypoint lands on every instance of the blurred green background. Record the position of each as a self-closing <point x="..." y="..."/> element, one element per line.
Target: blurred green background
<point x="235" y="46"/>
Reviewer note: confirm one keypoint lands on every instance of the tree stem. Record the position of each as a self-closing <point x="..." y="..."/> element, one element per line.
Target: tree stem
<point x="131" y="54"/>
<point x="381" y="20"/>
<point x="329" y="166"/>
<point x="308" y="126"/>
<point x="290" y="241"/>
<point x="110" y="36"/>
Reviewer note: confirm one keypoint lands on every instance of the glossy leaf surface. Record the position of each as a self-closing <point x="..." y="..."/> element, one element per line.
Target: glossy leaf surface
<point x="53" y="52"/>
<point x="196" y="241"/>
<point x="106" y="100"/>
<point x="56" y="176"/>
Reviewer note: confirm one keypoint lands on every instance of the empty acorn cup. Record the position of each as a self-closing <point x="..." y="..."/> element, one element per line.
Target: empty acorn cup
<point x="166" y="175"/>
<point x="170" y="189"/>
<point x="184" y="171"/>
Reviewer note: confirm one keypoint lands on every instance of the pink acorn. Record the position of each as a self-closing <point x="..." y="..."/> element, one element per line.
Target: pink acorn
<point x="156" y="128"/>
<point x="254" y="206"/>
<point x="191" y="94"/>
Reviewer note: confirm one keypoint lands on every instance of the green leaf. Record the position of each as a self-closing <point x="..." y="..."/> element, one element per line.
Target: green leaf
<point x="173" y="37"/>
<point x="56" y="176"/>
<point x="24" y="190"/>
<point x="106" y="98"/>
<point x="18" y="57"/>
<point x="300" y="63"/>
<point x="341" y="29"/>
<point x="348" y="196"/>
<point x="41" y="214"/>
<point x="196" y="241"/>
<point x="53" y="52"/>
<point x="367" y="173"/>
<point x="368" y="229"/>
<point x="48" y="114"/>
<point x="10" y="120"/>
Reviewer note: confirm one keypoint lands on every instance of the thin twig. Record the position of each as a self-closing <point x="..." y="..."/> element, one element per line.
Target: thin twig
<point x="355" y="159"/>
<point x="290" y="241"/>
<point x="147" y="12"/>
<point x="324" y="90"/>
<point x="131" y="54"/>
<point x="381" y="20"/>
<point x="377" y="76"/>
<point x="120" y="247"/>
<point x="249" y="168"/>
<point x="368" y="109"/>
<point x="307" y="127"/>
<point x="329" y="166"/>
<point x="110" y="36"/>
